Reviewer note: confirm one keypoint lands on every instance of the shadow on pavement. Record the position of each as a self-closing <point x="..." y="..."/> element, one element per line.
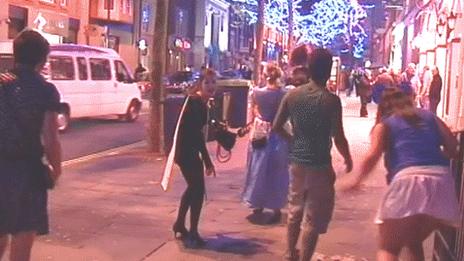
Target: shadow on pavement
<point x="237" y="246"/>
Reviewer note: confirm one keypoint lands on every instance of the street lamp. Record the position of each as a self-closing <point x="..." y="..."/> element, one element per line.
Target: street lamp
<point x="452" y="21"/>
<point x="441" y="24"/>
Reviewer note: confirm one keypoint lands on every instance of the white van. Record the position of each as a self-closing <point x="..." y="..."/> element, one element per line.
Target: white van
<point x="92" y="81"/>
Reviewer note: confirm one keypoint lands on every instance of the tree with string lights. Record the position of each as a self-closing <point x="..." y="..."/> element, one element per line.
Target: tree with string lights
<point x="334" y="24"/>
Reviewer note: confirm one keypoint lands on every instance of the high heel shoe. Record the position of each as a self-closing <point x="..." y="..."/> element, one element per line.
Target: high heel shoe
<point x="180" y="232"/>
<point x="275" y="218"/>
<point x="258" y="211"/>
<point x="195" y="241"/>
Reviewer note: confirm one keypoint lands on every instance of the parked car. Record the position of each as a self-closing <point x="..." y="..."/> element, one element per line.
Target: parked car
<point x="230" y="74"/>
<point x="92" y="82"/>
<point x="144" y="83"/>
<point x="180" y="81"/>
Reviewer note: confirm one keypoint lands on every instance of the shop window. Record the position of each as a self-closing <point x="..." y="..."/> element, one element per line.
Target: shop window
<point x="82" y="68"/>
<point x="6" y="63"/>
<point x="109" y="3"/>
<point x="61" y="68"/>
<point x="128" y="6"/>
<point x="100" y="69"/>
<point x="18" y="17"/>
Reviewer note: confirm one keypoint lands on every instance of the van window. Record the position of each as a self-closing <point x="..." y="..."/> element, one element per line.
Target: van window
<point x="61" y="68"/>
<point x="82" y="68"/>
<point x="6" y="63"/>
<point x="121" y="72"/>
<point x="100" y="69"/>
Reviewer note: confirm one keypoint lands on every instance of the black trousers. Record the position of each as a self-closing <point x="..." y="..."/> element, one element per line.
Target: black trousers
<point x="364" y="101"/>
<point x="192" y="199"/>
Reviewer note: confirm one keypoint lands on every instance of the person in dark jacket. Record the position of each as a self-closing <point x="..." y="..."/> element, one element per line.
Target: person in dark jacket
<point x="363" y="90"/>
<point x="435" y="90"/>
<point x="24" y="178"/>
<point x="192" y="157"/>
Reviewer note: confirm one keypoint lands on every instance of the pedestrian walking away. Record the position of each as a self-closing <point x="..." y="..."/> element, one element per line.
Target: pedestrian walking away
<point x="363" y="90"/>
<point x="28" y="125"/>
<point x="435" y="90"/>
<point x="316" y="118"/>
<point x="191" y="155"/>
<point x="267" y="162"/>
<point x="421" y="196"/>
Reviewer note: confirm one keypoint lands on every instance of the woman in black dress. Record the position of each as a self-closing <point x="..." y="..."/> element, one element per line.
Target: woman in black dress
<point x="24" y="177"/>
<point x="191" y="155"/>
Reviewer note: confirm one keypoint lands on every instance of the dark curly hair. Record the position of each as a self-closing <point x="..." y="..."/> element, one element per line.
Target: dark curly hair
<point x="30" y="48"/>
<point x="320" y="65"/>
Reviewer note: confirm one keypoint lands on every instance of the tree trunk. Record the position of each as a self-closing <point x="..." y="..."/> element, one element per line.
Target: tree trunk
<point x="259" y="42"/>
<point x="290" y="27"/>
<point x="155" y="135"/>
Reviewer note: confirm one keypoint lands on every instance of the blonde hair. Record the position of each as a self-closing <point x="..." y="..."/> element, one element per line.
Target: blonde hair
<point x="205" y="73"/>
<point x="272" y="73"/>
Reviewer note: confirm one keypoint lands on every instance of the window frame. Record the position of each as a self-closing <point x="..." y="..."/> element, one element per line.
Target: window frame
<point x="79" y="64"/>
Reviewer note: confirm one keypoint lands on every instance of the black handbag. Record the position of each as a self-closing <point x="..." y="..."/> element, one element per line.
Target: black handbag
<point x="259" y="143"/>
<point x="47" y="179"/>
<point x="224" y="137"/>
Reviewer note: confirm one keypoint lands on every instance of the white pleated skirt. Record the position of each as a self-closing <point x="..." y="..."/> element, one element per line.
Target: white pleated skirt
<point x="417" y="190"/>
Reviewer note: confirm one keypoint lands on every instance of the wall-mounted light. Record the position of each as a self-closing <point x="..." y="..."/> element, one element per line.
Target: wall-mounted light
<point x="446" y="24"/>
<point x="452" y="21"/>
<point x="441" y="25"/>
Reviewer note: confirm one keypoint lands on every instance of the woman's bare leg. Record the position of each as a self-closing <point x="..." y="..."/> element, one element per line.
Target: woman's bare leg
<point x="21" y="245"/>
<point x="3" y="244"/>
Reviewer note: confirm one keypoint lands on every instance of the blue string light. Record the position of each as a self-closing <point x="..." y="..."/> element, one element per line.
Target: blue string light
<point x="328" y="23"/>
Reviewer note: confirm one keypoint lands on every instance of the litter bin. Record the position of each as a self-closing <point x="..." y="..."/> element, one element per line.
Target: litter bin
<point x="232" y="100"/>
<point x="172" y="106"/>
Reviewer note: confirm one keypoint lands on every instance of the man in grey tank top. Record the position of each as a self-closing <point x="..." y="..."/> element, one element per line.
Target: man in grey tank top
<point x="316" y="118"/>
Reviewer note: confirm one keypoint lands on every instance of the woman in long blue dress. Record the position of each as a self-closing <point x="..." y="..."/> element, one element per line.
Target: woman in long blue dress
<point x="267" y="167"/>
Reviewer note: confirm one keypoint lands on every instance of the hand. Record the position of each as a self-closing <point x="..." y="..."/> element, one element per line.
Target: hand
<point x="54" y="175"/>
<point x="210" y="171"/>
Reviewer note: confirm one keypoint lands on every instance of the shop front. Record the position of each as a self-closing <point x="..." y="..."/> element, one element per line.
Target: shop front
<point x="53" y="26"/>
<point x="180" y="57"/>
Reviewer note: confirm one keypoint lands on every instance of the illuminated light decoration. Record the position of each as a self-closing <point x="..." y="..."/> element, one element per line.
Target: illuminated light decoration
<point x="186" y="45"/>
<point x="328" y="21"/>
<point x="275" y="13"/>
<point x="178" y="43"/>
<point x="142" y="44"/>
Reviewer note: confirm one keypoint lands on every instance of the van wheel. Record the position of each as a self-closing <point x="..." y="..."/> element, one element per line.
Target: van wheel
<point x="133" y="111"/>
<point x="63" y="120"/>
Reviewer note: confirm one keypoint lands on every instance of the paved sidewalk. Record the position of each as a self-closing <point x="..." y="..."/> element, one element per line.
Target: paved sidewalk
<point x="112" y="208"/>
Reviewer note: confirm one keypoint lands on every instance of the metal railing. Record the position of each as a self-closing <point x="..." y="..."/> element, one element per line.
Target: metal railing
<point x="449" y="242"/>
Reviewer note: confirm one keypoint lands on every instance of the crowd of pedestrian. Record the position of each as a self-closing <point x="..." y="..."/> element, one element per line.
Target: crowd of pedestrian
<point x="423" y="86"/>
<point x="289" y="154"/>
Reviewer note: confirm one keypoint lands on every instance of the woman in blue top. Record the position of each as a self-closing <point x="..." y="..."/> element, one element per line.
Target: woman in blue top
<point x="421" y="196"/>
<point x="267" y="165"/>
